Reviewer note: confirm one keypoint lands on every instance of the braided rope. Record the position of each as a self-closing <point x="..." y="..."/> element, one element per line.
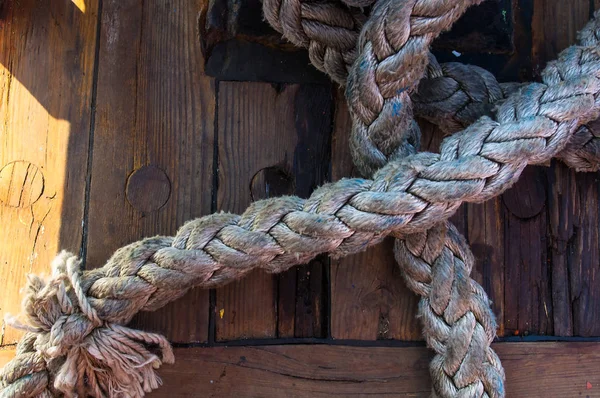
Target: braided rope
<point x="451" y="95"/>
<point x="455" y="312"/>
<point x="406" y="196"/>
<point x="458" y="322"/>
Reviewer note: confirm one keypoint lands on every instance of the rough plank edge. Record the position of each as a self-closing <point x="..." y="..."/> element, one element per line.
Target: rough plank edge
<point x="548" y="369"/>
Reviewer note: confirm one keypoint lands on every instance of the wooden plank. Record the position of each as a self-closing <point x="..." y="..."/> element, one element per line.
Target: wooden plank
<point x="561" y="223"/>
<point x="486" y="240"/>
<point x="527" y="283"/>
<point x="273" y="139"/>
<point x="369" y="299"/>
<point x="47" y="53"/>
<point x="583" y="259"/>
<point x="572" y="206"/>
<point x="532" y="370"/>
<point x="153" y="145"/>
<point x="554" y="27"/>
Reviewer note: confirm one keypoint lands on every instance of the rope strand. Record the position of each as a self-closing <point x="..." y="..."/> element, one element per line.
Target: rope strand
<point x="71" y="353"/>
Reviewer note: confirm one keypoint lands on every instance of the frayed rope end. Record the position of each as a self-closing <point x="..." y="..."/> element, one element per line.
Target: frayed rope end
<point x="68" y="350"/>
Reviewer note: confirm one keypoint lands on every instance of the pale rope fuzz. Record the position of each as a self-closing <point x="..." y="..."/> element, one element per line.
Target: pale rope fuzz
<point x="405" y="197"/>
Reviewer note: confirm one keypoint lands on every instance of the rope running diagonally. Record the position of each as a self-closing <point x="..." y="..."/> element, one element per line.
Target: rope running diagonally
<point x="451" y="95"/>
<point x="455" y="311"/>
<point x="70" y="348"/>
<point x="450" y="101"/>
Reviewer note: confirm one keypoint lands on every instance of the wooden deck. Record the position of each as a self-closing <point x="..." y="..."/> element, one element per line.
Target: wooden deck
<point x="121" y="119"/>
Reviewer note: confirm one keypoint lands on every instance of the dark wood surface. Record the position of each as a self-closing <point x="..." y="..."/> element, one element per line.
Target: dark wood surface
<point x="533" y="370"/>
<point x="124" y="119"/>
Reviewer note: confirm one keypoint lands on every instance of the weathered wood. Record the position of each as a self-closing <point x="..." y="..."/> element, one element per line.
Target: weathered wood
<point x="272" y="136"/>
<point x="582" y="258"/>
<point x="527" y="284"/>
<point x="46" y="79"/>
<point x="153" y="143"/>
<point x="572" y="206"/>
<point x="485" y="234"/>
<point x="239" y="45"/>
<point x="369" y="300"/>
<point x="532" y="370"/>
<point x="554" y="27"/>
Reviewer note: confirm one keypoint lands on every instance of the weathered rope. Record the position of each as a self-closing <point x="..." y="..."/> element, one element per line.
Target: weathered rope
<point x="455" y="312"/>
<point x="451" y="95"/>
<point x="406" y="196"/>
<point x="458" y="322"/>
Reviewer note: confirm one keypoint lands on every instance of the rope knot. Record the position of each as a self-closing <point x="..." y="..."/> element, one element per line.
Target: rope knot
<point x="69" y="350"/>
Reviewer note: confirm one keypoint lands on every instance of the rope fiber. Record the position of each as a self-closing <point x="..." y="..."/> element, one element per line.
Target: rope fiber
<point x="75" y="344"/>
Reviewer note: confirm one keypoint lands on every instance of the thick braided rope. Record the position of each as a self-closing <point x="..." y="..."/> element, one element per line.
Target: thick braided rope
<point x="329" y="30"/>
<point x="345" y="217"/>
<point x="458" y="322"/>
<point x="455" y="312"/>
<point x="472" y="372"/>
<point x="451" y="95"/>
<point x="341" y="218"/>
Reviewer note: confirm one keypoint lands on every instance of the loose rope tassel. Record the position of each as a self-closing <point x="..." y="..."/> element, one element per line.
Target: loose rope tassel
<point x="67" y="343"/>
<point x="343" y="218"/>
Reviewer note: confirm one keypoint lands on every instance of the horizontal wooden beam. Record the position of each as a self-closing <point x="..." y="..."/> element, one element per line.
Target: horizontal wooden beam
<point x="532" y="370"/>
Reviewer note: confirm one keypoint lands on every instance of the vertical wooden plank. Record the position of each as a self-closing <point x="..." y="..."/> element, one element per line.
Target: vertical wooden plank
<point x="47" y="53"/>
<point x="527" y="289"/>
<point x="369" y="300"/>
<point x="572" y="210"/>
<point x="153" y="146"/>
<point x="554" y="27"/>
<point x="273" y="140"/>
<point x="562" y="212"/>
<point x="486" y="239"/>
<point x="584" y="265"/>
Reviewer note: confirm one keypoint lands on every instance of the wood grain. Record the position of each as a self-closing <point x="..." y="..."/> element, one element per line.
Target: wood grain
<point x="369" y="300"/>
<point x="572" y="212"/>
<point x="486" y="240"/>
<point x="46" y="78"/>
<point x="153" y="143"/>
<point x="532" y="370"/>
<point x="273" y="139"/>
